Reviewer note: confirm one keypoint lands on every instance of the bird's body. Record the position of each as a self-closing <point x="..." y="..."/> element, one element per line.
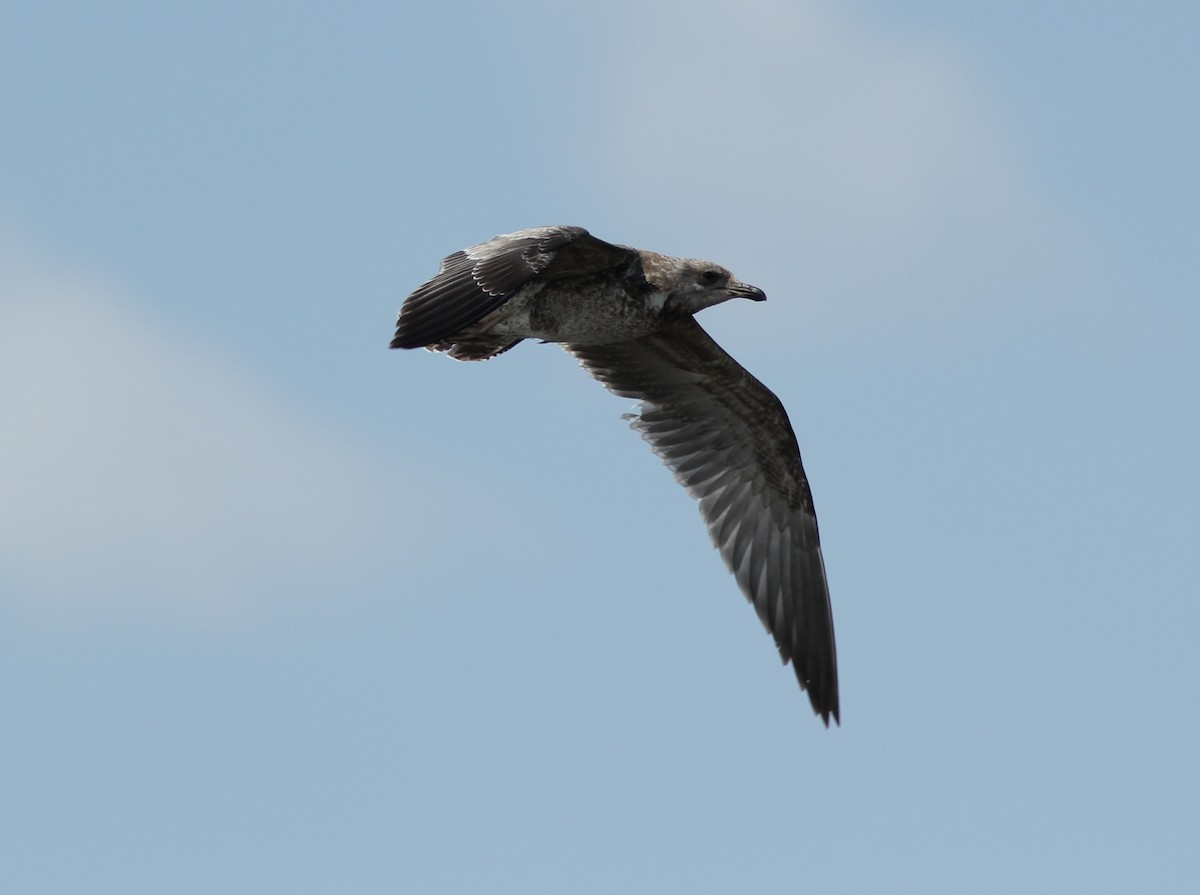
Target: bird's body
<point x="627" y="315"/>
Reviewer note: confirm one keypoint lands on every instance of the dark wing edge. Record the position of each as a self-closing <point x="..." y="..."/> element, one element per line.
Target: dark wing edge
<point x="475" y="282"/>
<point x="728" y="440"/>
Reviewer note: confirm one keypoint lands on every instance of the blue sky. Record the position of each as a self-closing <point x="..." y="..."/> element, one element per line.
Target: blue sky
<point x="285" y="611"/>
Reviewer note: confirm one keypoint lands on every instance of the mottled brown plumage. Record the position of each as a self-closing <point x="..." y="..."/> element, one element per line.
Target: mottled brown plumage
<point x="627" y="315"/>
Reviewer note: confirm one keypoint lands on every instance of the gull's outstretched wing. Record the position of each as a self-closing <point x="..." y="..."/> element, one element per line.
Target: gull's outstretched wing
<point x="476" y="281"/>
<point x="728" y="440"/>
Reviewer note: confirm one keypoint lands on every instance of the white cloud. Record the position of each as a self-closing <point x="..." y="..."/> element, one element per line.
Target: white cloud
<point x="140" y="473"/>
<point x="863" y="172"/>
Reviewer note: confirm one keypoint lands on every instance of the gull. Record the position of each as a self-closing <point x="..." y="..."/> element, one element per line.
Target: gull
<point x="627" y="315"/>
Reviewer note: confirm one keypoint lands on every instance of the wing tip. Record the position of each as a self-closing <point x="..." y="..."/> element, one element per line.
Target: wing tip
<point x="402" y="341"/>
<point x="825" y="714"/>
<point x="822" y="695"/>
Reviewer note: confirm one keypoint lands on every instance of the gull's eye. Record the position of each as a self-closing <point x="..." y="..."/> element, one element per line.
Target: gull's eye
<point x="710" y="276"/>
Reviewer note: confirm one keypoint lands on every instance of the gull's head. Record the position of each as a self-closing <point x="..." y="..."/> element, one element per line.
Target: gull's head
<point x="688" y="285"/>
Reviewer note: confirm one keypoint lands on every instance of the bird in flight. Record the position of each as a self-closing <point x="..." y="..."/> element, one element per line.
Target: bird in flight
<point x="627" y="316"/>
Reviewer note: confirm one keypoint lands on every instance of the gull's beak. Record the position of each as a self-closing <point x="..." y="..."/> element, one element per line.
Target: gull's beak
<point x="741" y="290"/>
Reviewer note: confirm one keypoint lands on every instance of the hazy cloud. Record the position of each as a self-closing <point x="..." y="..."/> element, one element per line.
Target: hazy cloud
<point x="864" y="174"/>
<point x="138" y="471"/>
